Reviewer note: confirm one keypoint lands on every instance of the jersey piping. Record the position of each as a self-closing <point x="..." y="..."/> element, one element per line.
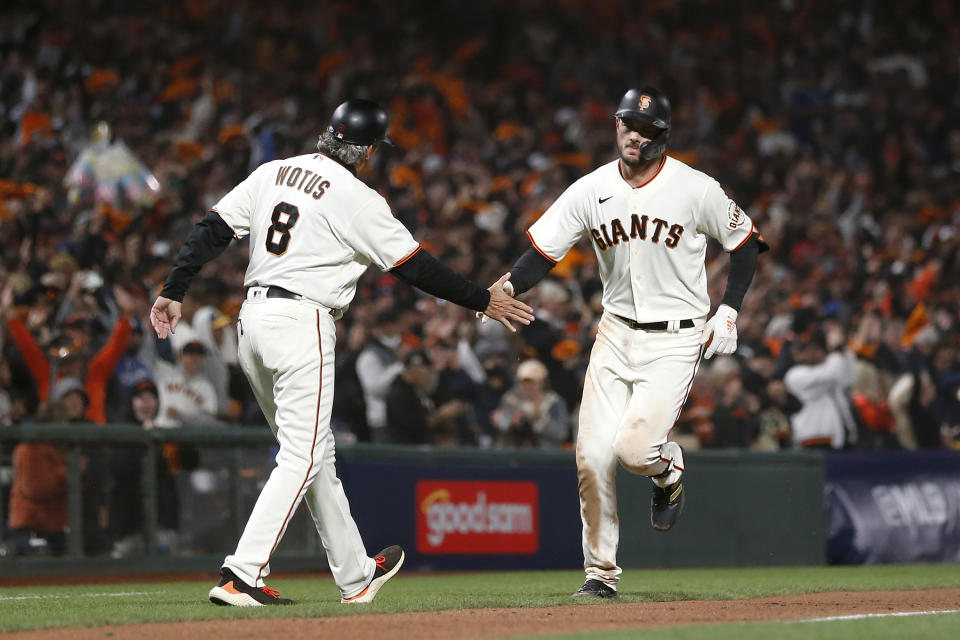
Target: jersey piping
<point x="663" y="162"/>
<point x="407" y="257"/>
<point x="542" y="252"/>
<point x="753" y="229"/>
<point x="313" y="447"/>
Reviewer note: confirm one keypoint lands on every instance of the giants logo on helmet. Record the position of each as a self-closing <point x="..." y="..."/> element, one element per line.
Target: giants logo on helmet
<point x="644" y="102"/>
<point x="477" y="517"/>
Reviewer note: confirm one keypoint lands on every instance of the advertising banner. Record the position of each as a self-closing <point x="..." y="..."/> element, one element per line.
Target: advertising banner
<point x="477" y="517"/>
<point x="893" y="507"/>
<point x="452" y="515"/>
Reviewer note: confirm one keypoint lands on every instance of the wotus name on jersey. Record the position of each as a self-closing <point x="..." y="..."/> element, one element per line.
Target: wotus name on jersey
<point x="639" y="226"/>
<point x="303" y="180"/>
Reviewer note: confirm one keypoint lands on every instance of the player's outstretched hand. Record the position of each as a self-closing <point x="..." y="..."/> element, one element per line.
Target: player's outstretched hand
<point x="164" y="316"/>
<point x="503" y="308"/>
<point x="720" y="333"/>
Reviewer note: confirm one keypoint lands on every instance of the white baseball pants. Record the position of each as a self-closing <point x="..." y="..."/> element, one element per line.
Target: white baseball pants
<point x="286" y="350"/>
<point x="636" y="384"/>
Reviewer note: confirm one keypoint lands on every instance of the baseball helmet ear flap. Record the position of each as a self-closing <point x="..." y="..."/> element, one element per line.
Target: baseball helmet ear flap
<point x="650" y="105"/>
<point x="361" y="122"/>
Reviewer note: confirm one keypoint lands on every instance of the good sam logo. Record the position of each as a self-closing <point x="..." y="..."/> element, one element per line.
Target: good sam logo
<point x="477" y="517"/>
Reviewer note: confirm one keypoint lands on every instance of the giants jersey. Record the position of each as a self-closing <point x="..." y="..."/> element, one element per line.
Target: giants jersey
<point x="314" y="228"/>
<point x="650" y="240"/>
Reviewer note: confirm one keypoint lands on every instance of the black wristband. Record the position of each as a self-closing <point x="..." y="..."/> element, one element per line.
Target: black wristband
<point x="206" y="241"/>
<point x="424" y="272"/>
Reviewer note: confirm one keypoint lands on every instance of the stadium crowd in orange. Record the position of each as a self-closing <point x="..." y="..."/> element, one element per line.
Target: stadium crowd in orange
<point x="843" y="145"/>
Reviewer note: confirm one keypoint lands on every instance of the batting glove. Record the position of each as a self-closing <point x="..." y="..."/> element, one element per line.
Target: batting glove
<point x="720" y="333"/>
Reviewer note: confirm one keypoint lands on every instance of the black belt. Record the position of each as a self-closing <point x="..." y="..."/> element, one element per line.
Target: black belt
<point x="273" y="291"/>
<point x="651" y="326"/>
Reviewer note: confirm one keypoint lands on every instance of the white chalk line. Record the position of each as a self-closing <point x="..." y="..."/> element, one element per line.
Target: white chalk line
<point x="115" y="594"/>
<point x="895" y="614"/>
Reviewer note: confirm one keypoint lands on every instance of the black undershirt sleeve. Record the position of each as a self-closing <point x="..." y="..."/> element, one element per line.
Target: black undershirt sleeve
<point x="530" y="268"/>
<point x="206" y="241"/>
<point x="424" y="272"/>
<point x="743" y="264"/>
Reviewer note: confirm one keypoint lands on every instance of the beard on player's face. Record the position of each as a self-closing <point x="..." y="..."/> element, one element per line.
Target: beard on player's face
<point x="631" y="135"/>
<point x="629" y="141"/>
<point x="635" y="160"/>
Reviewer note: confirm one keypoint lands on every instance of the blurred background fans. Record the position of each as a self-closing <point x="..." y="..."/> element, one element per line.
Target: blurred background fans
<point x="107" y="173"/>
<point x="835" y="125"/>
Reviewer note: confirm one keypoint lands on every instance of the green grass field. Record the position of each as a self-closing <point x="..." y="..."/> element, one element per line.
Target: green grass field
<point x="92" y="605"/>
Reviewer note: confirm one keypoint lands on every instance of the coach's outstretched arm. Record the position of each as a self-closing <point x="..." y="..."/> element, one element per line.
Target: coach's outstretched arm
<point x="207" y="240"/>
<point x="720" y="332"/>
<point x="423" y="271"/>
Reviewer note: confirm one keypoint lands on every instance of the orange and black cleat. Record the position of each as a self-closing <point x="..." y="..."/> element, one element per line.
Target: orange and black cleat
<point x="388" y="563"/>
<point x="232" y="591"/>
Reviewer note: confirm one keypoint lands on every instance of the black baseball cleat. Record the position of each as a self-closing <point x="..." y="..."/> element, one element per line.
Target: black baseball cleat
<point x="595" y="589"/>
<point x="388" y="563"/>
<point x="666" y="505"/>
<point x="232" y="591"/>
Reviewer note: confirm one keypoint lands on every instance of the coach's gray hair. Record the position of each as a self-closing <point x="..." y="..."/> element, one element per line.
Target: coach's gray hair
<point x="348" y="154"/>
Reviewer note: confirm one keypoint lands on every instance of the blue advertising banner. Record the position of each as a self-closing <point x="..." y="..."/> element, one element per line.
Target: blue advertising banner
<point x="893" y="507"/>
<point x="467" y="515"/>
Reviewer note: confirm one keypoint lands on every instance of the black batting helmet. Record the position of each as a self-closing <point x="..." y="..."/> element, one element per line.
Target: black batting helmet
<point x="360" y="121"/>
<point x="650" y="105"/>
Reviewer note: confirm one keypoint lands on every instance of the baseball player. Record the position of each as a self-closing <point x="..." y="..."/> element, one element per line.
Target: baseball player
<point x="648" y="217"/>
<point x="314" y="227"/>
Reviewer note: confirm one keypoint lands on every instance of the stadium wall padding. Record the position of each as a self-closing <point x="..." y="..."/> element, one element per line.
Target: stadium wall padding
<point x="468" y="509"/>
<point x="742" y="509"/>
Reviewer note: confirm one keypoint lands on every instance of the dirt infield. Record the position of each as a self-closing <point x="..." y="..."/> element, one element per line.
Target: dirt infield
<point x="501" y="623"/>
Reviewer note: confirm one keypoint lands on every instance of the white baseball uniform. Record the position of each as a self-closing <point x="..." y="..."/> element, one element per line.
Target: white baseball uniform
<point x="651" y="244"/>
<point x="314" y="228"/>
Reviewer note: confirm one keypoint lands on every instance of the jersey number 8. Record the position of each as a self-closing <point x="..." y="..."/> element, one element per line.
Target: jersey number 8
<point x="284" y="218"/>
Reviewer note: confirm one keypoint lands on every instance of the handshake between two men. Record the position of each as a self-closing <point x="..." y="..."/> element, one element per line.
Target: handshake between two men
<point x="719" y="334"/>
<point x="503" y="307"/>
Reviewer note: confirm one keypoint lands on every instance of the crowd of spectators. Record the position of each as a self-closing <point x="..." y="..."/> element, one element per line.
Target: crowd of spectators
<point x="835" y="125"/>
